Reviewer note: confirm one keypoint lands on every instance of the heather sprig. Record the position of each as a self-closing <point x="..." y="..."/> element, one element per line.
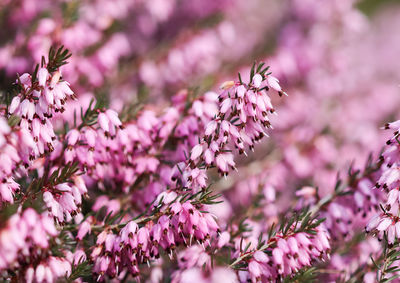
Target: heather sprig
<point x="387" y="264"/>
<point x="286" y="251"/>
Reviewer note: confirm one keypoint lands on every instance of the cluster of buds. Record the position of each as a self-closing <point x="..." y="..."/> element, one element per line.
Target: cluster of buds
<point x="195" y="264"/>
<point x="110" y="154"/>
<point x="49" y="270"/>
<point x="385" y="222"/>
<point x="89" y="146"/>
<point x="389" y="181"/>
<point x="366" y="200"/>
<point x="199" y="274"/>
<point x="242" y="120"/>
<point x="194" y="256"/>
<point x="137" y="149"/>
<point x="290" y="254"/>
<point x="9" y="159"/>
<point x="64" y="200"/>
<point x="352" y="202"/>
<point x="37" y="102"/>
<point x="339" y="220"/>
<point x="151" y="146"/>
<point x="180" y="224"/>
<point x="109" y="122"/>
<point x="25" y="248"/>
<point x="192" y="125"/>
<point x="31" y="134"/>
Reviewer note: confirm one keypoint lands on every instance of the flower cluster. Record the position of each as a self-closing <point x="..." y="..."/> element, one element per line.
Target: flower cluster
<point x="284" y="255"/>
<point x="10" y="159"/>
<point x="180" y="224"/>
<point x="30" y="114"/>
<point x="387" y="220"/>
<point x="25" y="248"/>
<point x="40" y="98"/>
<point x="88" y="30"/>
<point x="195" y="264"/>
<point x="65" y="199"/>
<point x="119" y="154"/>
<point x="241" y="120"/>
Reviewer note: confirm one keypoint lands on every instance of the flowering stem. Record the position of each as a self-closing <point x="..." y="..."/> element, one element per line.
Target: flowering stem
<point x="248" y="254"/>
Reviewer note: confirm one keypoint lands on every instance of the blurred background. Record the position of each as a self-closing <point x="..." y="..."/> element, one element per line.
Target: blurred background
<point x="137" y="50"/>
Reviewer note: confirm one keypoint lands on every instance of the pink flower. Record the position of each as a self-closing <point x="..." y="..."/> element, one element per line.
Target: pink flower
<point x="223" y="239"/>
<point x="274" y="83"/>
<point x="113" y="117"/>
<point x="224" y="161"/>
<point x="257" y="79"/>
<point x="42" y="76"/>
<point x="84" y="229"/>
<point x="104" y="122"/>
<point x="196" y="151"/>
<point x="14" y="104"/>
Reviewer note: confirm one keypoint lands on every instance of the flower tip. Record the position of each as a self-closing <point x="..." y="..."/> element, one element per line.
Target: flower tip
<point x="227" y="85"/>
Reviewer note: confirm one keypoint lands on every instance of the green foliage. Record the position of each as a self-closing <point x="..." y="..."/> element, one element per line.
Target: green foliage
<point x="63" y="175"/>
<point x="6" y="212"/>
<point x="56" y="58"/>
<point x="369" y="7"/>
<point x="303" y="221"/>
<point x="259" y="70"/>
<point x="89" y="118"/>
<point x="61" y="243"/>
<point x="114" y="219"/>
<point x="32" y="196"/>
<point x="82" y="270"/>
<point x="304" y="275"/>
<point x="7" y="96"/>
<point x="14" y="120"/>
<point x="70" y="12"/>
<point x="387" y="264"/>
